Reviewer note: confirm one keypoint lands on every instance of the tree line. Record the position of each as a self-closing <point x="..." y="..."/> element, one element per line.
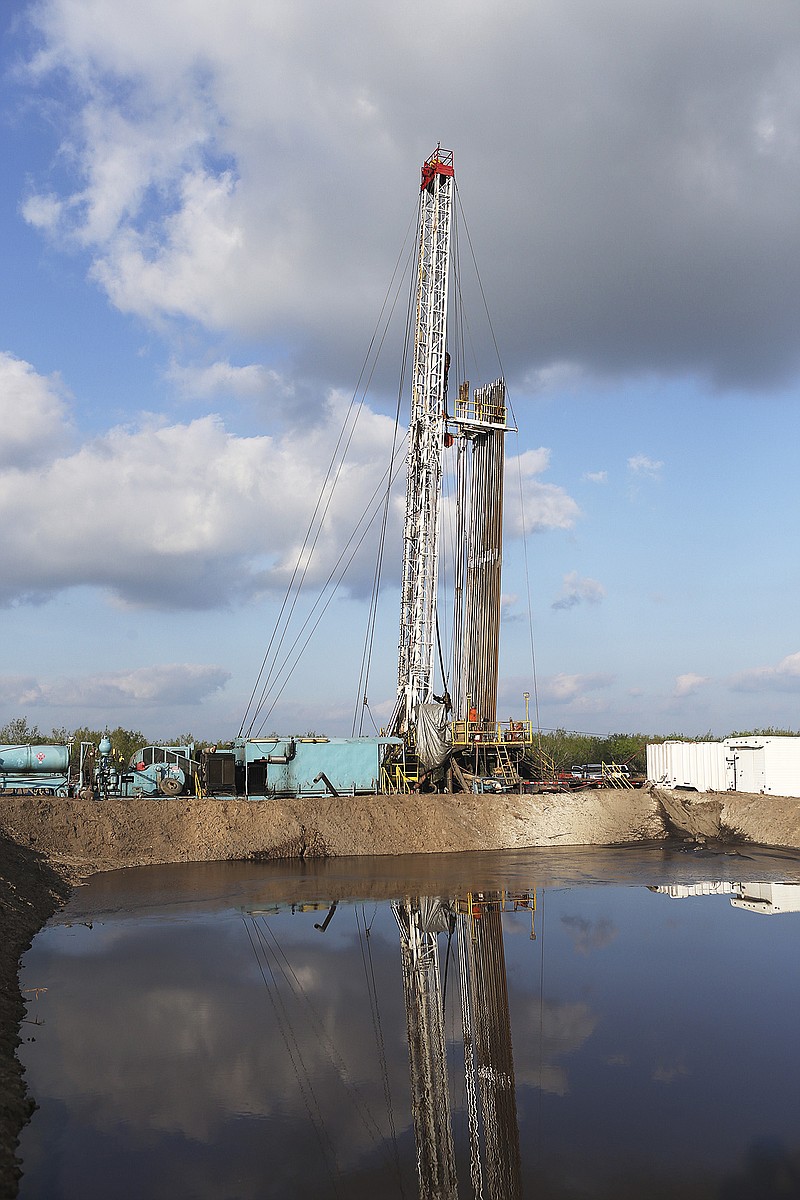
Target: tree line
<point x="565" y="747"/>
<point x="125" y="742"/>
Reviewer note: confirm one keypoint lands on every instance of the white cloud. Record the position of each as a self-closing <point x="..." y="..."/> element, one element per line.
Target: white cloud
<point x="689" y="684"/>
<point x="508" y="607"/>
<point x="239" y="164"/>
<point x="577" y="590"/>
<point x="34" y="415"/>
<point x="596" y="476"/>
<point x="193" y="271"/>
<point x="543" y="505"/>
<point x="569" y="689"/>
<point x="144" y="687"/>
<point x="641" y="465"/>
<point x="169" y="515"/>
<point x="559" y="377"/>
<point x="785" y="677"/>
<point x="43" y="212"/>
<point x="223" y="377"/>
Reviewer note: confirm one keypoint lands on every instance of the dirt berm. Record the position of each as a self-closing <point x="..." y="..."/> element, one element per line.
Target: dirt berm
<point x="47" y="844"/>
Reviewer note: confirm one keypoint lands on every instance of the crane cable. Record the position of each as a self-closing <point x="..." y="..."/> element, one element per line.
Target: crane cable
<point x="369" y="637"/>
<point x="294" y="586"/>
<point x="271" y="675"/>
<point x="344" y="564"/>
<point x="277" y="961"/>
<point x="305" y="1087"/>
<point x="375" y="1012"/>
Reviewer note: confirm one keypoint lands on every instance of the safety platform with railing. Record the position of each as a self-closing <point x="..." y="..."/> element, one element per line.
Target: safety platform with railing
<point x="491" y="733"/>
<point x="484" y="406"/>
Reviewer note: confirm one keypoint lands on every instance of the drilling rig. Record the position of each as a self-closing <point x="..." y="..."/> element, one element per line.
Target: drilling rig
<point x="454" y="739"/>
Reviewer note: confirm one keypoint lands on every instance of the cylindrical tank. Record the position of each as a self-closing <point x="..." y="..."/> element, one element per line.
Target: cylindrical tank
<point x="53" y="759"/>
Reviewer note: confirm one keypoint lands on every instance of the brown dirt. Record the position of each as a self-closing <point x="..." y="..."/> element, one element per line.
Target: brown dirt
<point x="48" y="844"/>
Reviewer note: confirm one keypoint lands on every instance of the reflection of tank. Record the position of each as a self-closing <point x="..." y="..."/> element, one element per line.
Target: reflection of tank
<point x="754" y="897"/>
<point x="681" y="891"/>
<point x="34" y="768"/>
<point x="767" y="898"/>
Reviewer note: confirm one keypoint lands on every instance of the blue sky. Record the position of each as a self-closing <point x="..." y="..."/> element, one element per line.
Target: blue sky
<point x="200" y="213"/>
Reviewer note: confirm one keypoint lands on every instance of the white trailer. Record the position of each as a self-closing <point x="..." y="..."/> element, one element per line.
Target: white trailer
<point x="699" y="766"/>
<point x="770" y="765"/>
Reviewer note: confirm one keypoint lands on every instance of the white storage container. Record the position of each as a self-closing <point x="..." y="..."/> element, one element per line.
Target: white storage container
<point x="764" y="764"/>
<point x="696" y="765"/>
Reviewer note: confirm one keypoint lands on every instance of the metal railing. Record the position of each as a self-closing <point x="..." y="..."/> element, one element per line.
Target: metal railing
<point x="492" y="733"/>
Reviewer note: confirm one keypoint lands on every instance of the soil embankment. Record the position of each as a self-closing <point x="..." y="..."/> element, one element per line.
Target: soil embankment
<point x="125" y="833"/>
<point x="47" y="844"/>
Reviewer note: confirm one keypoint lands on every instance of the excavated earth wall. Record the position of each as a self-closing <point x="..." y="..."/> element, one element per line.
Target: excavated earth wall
<point x="48" y="844"/>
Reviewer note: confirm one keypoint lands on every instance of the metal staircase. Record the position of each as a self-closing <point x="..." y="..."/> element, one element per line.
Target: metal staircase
<point x="506" y="769"/>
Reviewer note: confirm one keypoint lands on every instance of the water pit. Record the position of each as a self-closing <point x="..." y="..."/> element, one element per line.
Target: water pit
<point x="222" y="1030"/>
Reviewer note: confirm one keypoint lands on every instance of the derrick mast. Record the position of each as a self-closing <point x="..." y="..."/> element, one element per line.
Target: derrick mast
<point x="425" y="442"/>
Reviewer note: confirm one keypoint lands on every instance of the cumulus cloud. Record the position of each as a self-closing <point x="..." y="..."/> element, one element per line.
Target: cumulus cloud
<point x="34" y="415"/>
<point x="251" y="168"/>
<point x="689" y="684"/>
<point x="176" y="515"/>
<point x="596" y="476"/>
<point x="223" y="377"/>
<point x="530" y="505"/>
<point x="569" y="689"/>
<point x="645" y="467"/>
<point x="577" y="590"/>
<point x="784" y="677"/>
<point x="559" y="377"/>
<point x="144" y="687"/>
<point x="508" y="607"/>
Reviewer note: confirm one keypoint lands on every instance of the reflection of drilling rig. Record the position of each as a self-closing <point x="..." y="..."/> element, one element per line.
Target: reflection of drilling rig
<point x="486" y="1032"/>
<point x="487" y="1045"/>
<point x="420" y="920"/>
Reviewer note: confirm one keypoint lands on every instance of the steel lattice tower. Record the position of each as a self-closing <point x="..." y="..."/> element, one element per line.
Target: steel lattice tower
<point x="425" y="442"/>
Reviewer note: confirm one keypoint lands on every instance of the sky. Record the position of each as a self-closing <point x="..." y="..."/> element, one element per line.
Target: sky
<point x="201" y="211"/>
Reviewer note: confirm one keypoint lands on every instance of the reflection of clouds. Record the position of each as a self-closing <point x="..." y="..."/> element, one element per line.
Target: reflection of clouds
<point x="669" y="1072"/>
<point x="590" y="935"/>
<point x="181" y="1035"/>
<point x="565" y="1026"/>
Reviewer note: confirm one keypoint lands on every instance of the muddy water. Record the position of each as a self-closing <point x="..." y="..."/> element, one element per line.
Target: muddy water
<point x="551" y="1025"/>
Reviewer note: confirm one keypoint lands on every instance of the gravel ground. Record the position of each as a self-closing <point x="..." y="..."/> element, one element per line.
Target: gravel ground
<point x="47" y="845"/>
